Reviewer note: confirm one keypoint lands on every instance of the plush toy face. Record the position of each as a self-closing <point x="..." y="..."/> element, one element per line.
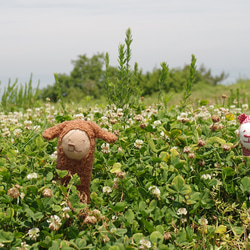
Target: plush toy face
<point x="76" y="144"/>
<point x="245" y="135"/>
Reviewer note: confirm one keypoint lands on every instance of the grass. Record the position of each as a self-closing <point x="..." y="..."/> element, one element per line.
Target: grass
<point x="213" y="94"/>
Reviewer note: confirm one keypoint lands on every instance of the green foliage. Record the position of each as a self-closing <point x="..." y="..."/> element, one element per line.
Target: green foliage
<point x="170" y="181"/>
<point x="86" y="79"/>
<point x="16" y="95"/>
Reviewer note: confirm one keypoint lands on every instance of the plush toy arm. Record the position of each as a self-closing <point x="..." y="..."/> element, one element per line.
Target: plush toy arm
<point x="102" y="134"/>
<point x="53" y="132"/>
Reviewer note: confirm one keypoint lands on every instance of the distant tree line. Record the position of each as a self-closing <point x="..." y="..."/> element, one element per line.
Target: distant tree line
<point x="88" y="79"/>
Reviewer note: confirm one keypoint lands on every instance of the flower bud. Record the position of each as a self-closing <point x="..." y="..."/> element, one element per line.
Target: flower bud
<point x="201" y="143"/>
<point x="13" y="193"/>
<point x="90" y="220"/>
<point x="226" y="147"/>
<point x="120" y="175"/>
<point x="47" y="192"/>
<point x="215" y="118"/>
<point x="167" y="236"/>
<point x="143" y="125"/>
<point x="186" y="150"/>
<point x="191" y="155"/>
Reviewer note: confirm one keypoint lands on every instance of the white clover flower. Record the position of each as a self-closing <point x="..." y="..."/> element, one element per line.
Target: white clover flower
<point x="145" y="244"/>
<point x="78" y="116"/>
<point x="6" y="132"/>
<point x="17" y="132"/>
<point x="182" y="211"/>
<point x="113" y="230"/>
<point x="203" y="221"/>
<point x="245" y="107"/>
<point x="27" y="124"/>
<point x="54" y="155"/>
<point x="113" y="106"/>
<point x="114" y="115"/>
<point x="38" y="110"/>
<point x="32" y="176"/>
<point x="138" y="143"/>
<point x="22" y="195"/>
<point x="162" y="135"/>
<point x="114" y="217"/>
<point x="183" y="115"/>
<point x="237" y="110"/>
<point x="138" y="117"/>
<point x="104" y="121"/>
<point x="55" y="222"/>
<point x="1" y="244"/>
<point x="120" y="149"/>
<point x="24" y="246"/>
<point x="105" y="148"/>
<point x="37" y="128"/>
<point x="206" y="176"/>
<point x="66" y="209"/>
<point x="119" y="112"/>
<point x="233" y="122"/>
<point x="106" y="189"/>
<point x="29" y="111"/>
<point x="34" y="233"/>
<point x="65" y="214"/>
<point x="14" y="121"/>
<point x="155" y="190"/>
<point x="157" y="123"/>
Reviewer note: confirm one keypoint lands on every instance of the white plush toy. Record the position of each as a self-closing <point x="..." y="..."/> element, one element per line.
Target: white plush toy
<point x="244" y="133"/>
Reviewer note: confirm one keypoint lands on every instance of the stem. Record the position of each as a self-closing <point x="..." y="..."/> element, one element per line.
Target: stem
<point x="203" y="238"/>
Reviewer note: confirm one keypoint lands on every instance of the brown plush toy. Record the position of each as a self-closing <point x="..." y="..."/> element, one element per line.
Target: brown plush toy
<point x="75" y="150"/>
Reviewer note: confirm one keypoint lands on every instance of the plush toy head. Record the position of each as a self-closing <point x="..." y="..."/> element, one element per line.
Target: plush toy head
<point x="75" y="144"/>
<point x="244" y="133"/>
<point x="75" y="149"/>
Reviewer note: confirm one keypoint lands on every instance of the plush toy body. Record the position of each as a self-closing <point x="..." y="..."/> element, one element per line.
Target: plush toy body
<point x="244" y="133"/>
<point x="75" y="150"/>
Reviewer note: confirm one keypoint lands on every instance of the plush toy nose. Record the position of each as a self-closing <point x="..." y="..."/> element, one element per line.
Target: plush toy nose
<point x="71" y="144"/>
<point x="248" y="136"/>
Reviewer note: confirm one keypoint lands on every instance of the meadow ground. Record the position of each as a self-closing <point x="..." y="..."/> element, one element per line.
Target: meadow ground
<point x="174" y="179"/>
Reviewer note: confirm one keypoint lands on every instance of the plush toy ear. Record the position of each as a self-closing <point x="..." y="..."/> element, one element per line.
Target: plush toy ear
<point x="101" y="133"/>
<point x="242" y="118"/>
<point x="53" y="132"/>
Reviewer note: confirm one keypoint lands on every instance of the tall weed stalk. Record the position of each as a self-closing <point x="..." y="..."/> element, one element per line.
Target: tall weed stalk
<point x="162" y="81"/>
<point x="61" y="101"/>
<point x="190" y="80"/>
<point x="15" y="95"/>
<point x="123" y="91"/>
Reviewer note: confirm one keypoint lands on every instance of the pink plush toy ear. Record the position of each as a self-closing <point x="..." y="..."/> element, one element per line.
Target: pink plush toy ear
<point x="54" y="132"/>
<point x="243" y="118"/>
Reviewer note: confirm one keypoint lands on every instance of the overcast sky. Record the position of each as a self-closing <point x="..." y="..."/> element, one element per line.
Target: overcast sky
<point x="44" y="36"/>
